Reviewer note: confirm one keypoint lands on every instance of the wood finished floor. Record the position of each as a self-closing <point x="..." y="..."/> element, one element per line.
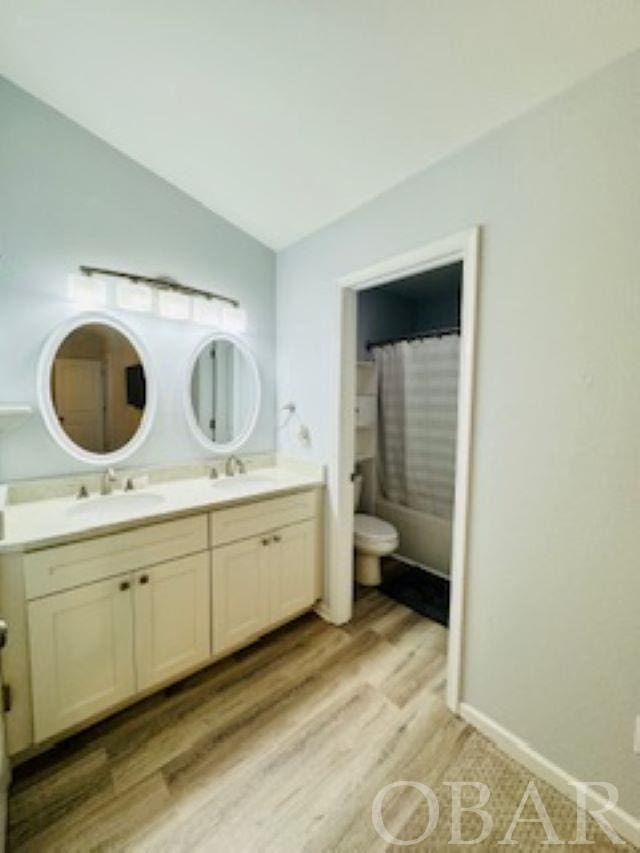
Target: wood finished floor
<point x="281" y="747"/>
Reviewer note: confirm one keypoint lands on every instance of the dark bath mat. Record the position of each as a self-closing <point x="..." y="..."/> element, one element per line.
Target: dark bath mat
<point x="423" y="592"/>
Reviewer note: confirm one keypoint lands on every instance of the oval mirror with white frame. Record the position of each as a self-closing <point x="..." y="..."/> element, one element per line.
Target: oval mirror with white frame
<point x="97" y="392"/>
<point x="222" y="398"/>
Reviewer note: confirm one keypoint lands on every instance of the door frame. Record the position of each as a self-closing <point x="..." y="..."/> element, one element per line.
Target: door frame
<point x="462" y="246"/>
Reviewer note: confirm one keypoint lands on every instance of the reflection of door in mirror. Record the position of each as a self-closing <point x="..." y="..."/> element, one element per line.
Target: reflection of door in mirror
<point x="213" y="391"/>
<point x="224" y="393"/>
<point x="98" y="400"/>
<point x="78" y="394"/>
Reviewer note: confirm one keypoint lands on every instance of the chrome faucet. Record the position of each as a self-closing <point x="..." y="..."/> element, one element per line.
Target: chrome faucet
<point x="107" y="480"/>
<point x="233" y="465"/>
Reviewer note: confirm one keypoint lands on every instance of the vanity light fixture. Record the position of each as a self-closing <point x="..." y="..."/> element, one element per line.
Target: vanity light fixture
<point x="173" y="305"/>
<point x="234" y="319"/>
<point x="175" y="301"/>
<point x="134" y="297"/>
<point x="90" y="292"/>
<point x="208" y="312"/>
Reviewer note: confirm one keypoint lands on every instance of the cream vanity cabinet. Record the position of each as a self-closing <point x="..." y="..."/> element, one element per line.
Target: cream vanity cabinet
<point x="93" y="645"/>
<point x="99" y="622"/>
<point x="81" y="648"/>
<point x="264" y="566"/>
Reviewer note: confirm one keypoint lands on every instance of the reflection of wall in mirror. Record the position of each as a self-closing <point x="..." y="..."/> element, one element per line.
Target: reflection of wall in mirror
<point x="122" y="420"/>
<point x="243" y="383"/>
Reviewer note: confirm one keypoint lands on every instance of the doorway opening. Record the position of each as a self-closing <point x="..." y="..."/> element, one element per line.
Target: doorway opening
<point x="408" y="342"/>
<point x="406" y="371"/>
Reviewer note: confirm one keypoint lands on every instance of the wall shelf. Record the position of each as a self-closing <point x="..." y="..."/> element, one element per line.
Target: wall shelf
<point x="13" y="414"/>
<point x="366" y="378"/>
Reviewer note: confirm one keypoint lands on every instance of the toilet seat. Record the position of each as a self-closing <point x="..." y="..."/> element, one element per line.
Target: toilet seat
<point x="372" y="529"/>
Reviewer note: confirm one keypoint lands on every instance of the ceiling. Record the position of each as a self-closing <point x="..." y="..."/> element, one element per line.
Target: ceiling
<point x="282" y="115"/>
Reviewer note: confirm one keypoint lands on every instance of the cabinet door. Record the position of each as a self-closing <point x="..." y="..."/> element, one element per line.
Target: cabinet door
<point x="292" y="570"/>
<point x="81" y="645"/>
<point x="240" y="591"/>
<point x="172" y="618"/>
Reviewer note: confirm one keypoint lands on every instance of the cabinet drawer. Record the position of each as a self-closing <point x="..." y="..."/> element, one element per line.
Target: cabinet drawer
<point x="241" y="522"/>
<point x="55" y="569"/>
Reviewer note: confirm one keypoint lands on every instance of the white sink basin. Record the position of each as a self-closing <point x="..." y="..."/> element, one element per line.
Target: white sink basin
<point x="115" y="506"/>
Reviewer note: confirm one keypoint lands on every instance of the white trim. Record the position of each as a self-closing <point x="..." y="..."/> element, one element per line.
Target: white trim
<point x="464" y="461"/>
<point x="463" y="246"/>
<point x="229" y="446"/>
<point x="45" y="365"/>
<point x="623" y="822"/>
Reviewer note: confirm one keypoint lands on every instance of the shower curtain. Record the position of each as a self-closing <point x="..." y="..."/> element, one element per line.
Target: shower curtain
<point x="417" y="422"/>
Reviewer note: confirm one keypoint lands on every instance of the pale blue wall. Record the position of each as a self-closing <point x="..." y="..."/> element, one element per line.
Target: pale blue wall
<point x="67" y="198"/>
<point x="552" y="626"/>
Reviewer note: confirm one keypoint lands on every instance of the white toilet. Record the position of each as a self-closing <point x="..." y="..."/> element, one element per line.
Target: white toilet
<point x="372" y="538"/>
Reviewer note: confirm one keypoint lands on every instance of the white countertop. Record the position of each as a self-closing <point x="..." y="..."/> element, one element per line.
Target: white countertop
<point x="38" y="524"/>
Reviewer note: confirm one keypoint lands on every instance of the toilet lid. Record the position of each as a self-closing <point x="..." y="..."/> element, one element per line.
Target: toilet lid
<point x="372" y="527"/>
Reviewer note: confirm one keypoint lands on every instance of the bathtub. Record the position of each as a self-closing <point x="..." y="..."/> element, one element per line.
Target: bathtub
<point x="424" y="539"/>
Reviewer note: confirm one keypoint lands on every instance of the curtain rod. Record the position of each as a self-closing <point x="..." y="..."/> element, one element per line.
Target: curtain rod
<point x="161" y="283"/>
<point x="416" y="336"/>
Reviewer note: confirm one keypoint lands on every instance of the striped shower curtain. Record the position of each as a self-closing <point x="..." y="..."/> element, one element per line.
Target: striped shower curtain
<point x="417" y="420"/>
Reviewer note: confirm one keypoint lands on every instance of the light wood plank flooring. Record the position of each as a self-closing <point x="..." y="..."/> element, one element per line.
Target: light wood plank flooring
<point x="281" y="747"/>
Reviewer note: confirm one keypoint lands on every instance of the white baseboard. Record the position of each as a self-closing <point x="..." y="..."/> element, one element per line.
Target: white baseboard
<point x="624" y="823"/>
<point x="323" y="612"/>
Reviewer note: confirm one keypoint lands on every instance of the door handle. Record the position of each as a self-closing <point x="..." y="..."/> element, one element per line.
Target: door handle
<point x="4" y="633"/>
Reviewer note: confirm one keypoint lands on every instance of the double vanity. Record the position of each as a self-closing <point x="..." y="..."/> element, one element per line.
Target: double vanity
<point x="115" y="584"/>
<point x="111" y="597"/>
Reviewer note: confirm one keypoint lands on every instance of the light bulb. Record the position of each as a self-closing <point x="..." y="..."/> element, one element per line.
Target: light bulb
<point x="235" y="319"/>
<point x="87" y="290"/>
<point x="173" y="305"/>
<point x="206" y="311"/>
<point x="134" y="297"/>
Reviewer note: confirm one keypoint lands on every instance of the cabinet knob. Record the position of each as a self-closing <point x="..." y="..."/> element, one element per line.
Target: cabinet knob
<point x="277" y="538"/>
<point x="265" y="541"/>
<point x="144" y="579"/>
<point x="124" y="586"/>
